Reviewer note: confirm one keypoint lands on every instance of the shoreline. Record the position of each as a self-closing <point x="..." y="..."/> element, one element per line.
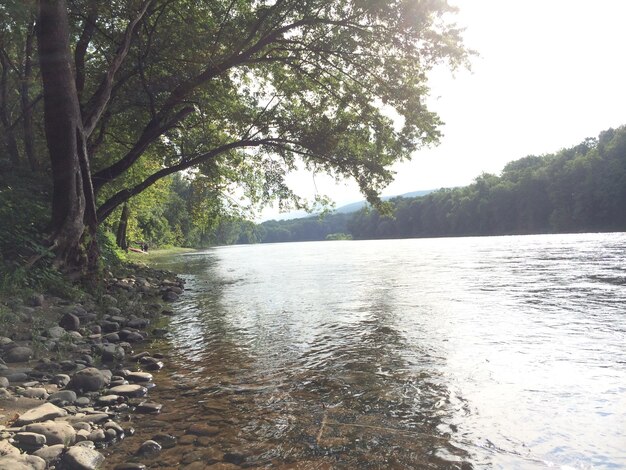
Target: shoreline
<point x="74" y="373"/>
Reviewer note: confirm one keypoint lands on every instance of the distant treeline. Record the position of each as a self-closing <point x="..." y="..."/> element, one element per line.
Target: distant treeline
<point x="582" y="188"/>
<point x="579" y="189"/>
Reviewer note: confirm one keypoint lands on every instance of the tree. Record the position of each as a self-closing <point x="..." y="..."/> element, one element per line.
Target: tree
<point x="243" y="91"/>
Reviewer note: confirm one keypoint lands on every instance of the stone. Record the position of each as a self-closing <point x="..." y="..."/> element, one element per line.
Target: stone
<point x="17" y="377"/>
<point x="149" y="407"/>
<point x="96" y="435"/>
<point x="131" y="391"/>
<point x="56" y="332"/>
<point x="61" y="380"/>
<point x="89" y="379"/>
<point x="64" y="396"/>
<point x="7" y="449"/>
<point x="167" y="441"/>
<point x="170" y="296"/>
<point x="187" y="439"/>
<point x="131" y="336"/>
<point x="82" y="458"/>
<point x="139" y="323"/>
<point x="29" y="440"/>
<point x="149" y="448"/>
<point x="22" y="462"/>
<point x="18" y="354"/>
<point x="94" y="418"/>
<point x="108" y="400"/>
<point x="44" y="412"/>
<point x="130" y="466"/>
<point x="4" y="382"/>
<point x="35" y="392"/>
<point x="111" y="352"/>
<point x="115" y="427"/>
<point x="69" y="322"/>
<point x="139" y="377"/>
<point x="109" y="326"/>
<point x="151" y="363"/>
<point x="50" y="453"/>
<point x="199" y="429"/>
<point x="55" y="432"/>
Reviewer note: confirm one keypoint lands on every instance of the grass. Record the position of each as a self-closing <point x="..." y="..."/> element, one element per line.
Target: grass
<point x="153" y="255"/>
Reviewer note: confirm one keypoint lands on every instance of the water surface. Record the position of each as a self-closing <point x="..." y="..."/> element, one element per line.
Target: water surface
<point x="495" y="352"/>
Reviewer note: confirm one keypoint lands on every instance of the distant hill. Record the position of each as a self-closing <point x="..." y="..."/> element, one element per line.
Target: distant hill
<point x="356" y="206"/>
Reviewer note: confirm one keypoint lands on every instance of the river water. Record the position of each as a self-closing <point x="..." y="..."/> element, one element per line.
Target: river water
<point x="494" y="352"/>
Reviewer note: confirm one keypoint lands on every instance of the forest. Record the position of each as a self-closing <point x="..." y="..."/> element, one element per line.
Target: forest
<point x="579" y="189"/>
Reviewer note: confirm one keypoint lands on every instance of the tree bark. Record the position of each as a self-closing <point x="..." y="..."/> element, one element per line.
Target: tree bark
<point x="73" y="209"/>
<point x="5" y="120"/>
<point x="27" y="105"/>
<point x="121" y="240"/>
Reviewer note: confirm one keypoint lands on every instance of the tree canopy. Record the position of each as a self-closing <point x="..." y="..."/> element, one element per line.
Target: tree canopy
<point x="242" y="92"/>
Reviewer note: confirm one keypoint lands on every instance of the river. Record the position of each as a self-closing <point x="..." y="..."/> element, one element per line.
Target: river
<point x="456" y="353"/>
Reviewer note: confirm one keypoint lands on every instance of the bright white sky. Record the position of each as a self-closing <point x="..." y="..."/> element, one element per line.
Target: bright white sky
<point x="550" y="73"/>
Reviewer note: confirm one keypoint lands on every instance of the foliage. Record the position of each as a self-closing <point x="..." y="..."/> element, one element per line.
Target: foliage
<point x="582" y="188"/>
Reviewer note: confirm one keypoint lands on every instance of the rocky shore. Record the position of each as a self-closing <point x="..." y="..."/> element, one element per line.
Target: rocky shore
<point x="73" y="373"/>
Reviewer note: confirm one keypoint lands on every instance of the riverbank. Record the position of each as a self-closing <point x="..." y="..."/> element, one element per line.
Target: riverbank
<point x="75" y="371"/>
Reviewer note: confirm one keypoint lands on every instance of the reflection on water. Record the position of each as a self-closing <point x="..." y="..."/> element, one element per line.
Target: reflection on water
<point x="503" y="352"/>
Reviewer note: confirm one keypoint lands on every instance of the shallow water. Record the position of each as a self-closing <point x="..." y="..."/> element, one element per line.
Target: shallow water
<point x="496" y="352"/>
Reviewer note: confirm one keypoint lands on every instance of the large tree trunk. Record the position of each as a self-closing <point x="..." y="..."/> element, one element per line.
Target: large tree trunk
<point x="73" y="208"/>
<point x="27" y="105"/>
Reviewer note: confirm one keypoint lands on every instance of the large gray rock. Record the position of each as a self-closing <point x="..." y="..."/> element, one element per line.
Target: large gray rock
<point x="63" y="396"/>
<point x="50" y="453"/>
<point x="18" y="354"/>
<point x="82" y="458"/>
<point x="89" y="379"/>
<point x="44" y="412"/>
<point x="22" y="462"/>
<point x="7" y="449"/>
<point x="55" y="432"/>
<point x="29" y="440"/>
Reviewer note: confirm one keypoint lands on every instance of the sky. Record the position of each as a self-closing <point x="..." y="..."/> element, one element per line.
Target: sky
<point x="549" y="74"/>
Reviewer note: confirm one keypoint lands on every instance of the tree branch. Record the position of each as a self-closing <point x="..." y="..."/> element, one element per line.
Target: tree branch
<point x="98" y="102"/>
